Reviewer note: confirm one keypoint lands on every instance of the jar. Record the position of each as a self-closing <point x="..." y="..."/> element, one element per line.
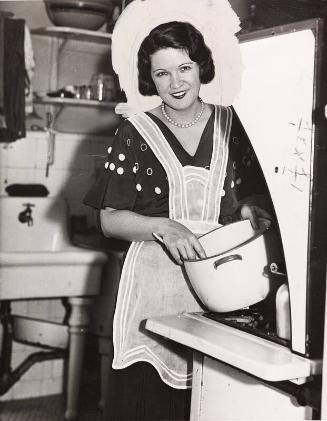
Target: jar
<point x="102" y="87"/>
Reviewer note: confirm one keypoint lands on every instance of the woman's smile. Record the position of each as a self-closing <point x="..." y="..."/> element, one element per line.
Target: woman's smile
<point x="179" y="95"/>
<point x="176" y="78"/>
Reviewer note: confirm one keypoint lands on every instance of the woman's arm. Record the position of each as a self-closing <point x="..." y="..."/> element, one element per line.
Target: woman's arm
<point x="254" y="213"/>
<point x="127" y="225"/>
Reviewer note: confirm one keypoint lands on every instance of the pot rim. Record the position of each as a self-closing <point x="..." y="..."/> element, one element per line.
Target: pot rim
<point x="265" y="226"/>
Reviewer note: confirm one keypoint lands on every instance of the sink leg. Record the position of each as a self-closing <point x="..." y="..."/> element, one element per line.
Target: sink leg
<point x="6" y="345"/>
<point x="78" y="323"/>
<point x="106" y="352"/>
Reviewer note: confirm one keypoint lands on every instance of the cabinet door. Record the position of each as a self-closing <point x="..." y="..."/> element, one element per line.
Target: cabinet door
<point x="221" y="392"/>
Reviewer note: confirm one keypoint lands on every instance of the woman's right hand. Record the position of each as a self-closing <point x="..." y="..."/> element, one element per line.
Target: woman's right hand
<point x="180" y="242"/>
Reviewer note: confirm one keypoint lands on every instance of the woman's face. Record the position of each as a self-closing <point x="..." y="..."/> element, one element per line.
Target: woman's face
<point x="176" y="77"/>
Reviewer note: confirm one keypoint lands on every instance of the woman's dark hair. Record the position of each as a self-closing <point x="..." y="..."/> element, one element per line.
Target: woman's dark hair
<point x="180" y="35"/>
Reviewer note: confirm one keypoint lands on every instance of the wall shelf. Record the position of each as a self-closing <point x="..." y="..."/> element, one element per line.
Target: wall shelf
<point x="75" y="102"/>
<point x="73" y="33"/>
<point x="70" y="114"/>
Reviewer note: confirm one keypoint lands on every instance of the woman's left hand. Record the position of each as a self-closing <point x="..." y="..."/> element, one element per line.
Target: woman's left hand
<point x="254" y="213"/>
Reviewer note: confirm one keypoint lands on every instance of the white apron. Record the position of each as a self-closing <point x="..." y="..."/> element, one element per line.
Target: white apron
<point x="151" y="283"/>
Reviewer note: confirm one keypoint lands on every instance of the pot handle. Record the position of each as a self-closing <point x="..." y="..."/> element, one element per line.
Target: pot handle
<point x="226" y="259"/>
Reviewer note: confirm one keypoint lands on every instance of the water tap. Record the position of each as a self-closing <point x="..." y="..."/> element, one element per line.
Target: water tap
<point x="25" y="216"/>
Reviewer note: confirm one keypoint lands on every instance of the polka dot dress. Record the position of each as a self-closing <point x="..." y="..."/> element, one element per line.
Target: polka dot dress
<point x="134" y="179"/>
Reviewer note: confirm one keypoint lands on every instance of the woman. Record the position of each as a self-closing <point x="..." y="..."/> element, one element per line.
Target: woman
<point x="173" y="173"/>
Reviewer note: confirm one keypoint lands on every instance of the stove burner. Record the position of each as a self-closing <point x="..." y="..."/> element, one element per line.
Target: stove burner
<point x="250" y="320"/>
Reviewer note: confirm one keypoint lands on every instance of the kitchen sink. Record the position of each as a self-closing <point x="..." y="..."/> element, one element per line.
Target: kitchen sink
<point x="36" y="256"/>
<point x="37" y="261"/>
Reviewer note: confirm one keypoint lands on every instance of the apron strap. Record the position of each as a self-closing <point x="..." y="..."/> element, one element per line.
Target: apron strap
<point x="154" y="137"/>
<point x="222" y="129"/>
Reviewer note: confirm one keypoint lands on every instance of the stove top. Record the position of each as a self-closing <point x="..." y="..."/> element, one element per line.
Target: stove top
<point x="252" y="320"/>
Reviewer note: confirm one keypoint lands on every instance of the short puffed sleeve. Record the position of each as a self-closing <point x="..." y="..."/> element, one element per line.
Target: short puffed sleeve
<point x="115" y="187"/>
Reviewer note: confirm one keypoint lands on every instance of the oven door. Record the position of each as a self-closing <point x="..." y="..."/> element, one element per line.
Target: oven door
<point x="281" y="106"/>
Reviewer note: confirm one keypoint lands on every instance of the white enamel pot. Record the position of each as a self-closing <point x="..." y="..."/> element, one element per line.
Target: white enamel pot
<point x="235" y="273"/>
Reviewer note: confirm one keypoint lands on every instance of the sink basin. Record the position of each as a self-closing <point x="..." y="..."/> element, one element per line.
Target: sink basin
<point x="47" y="232"/>
<point x="37" y="259"/>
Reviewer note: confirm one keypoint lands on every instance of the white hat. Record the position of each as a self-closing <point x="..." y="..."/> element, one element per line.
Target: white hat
<point x="217" y="22"/>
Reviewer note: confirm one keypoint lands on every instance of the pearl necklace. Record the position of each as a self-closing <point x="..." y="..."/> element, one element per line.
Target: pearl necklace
<point x="183" y="126"/>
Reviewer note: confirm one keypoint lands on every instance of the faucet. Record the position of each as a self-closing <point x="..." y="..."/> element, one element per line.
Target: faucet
<point x="25" y="216"/>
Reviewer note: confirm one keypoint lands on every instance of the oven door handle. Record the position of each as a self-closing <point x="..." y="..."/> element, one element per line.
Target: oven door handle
<point x="226" y="259"/>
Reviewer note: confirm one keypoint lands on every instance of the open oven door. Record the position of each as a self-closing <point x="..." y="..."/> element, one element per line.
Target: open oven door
<point x="282" y="108"/>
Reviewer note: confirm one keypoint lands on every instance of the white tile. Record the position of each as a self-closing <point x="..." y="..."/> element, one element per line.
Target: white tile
<point x="57" y="368"/>
<point x="47" y="369"/>
<point x="38" y="308"/>
<point x="4" y="154"/>
<point x="32" y="307"/>
<point x="18" y="356"/>
<point x="51" y="386"/>
<point x="22" y="154"/>
<point x="19" y="347"/>
<point x="36" y="372"/>
<point x="19" y="175"/>
<point x="56" y="310"/>
<point x="27" y="389"/>
<point x="58" y="319"/>
<point x="19" y="307"/>
<point x="35" y="135"/>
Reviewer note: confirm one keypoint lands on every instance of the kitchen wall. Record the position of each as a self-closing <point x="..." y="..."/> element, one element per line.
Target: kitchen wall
<point x="81" y="141"/>
<point x="77" y="157"/>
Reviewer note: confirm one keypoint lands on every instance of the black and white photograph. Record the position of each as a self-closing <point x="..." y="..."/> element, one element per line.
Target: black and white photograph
<point x="163" y="206"/>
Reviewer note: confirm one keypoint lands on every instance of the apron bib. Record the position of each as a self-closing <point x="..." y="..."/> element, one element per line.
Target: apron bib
<point x="151" y="283"/>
